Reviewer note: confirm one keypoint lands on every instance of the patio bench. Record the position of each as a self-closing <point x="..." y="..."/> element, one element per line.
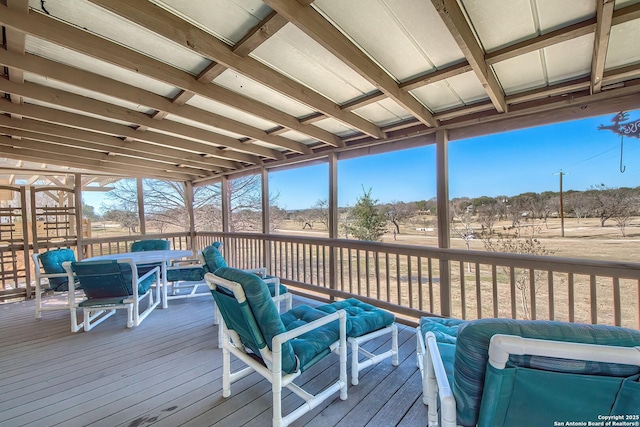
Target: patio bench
<point x="364" y="323"/>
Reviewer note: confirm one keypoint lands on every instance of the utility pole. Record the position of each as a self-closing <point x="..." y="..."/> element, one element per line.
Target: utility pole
<point x="561" y="206"/>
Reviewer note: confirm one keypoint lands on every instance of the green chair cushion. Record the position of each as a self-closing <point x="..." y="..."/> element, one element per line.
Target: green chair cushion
<point x="472" y="345"/>
<point x="108" y="279"/>
<point x="263" y="309"/>
<point x="51" y="262"/>
<point x="272" y="288"/>
<point x="150" y="245"/>
<point x="213" y="259"/>
<point x="362" y="318"/>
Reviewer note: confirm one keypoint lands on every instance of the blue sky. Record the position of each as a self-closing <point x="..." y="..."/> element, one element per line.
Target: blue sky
<point x="501" y="164"/>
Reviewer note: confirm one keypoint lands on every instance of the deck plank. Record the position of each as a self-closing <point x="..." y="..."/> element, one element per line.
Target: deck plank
<point x="167" y="372"/>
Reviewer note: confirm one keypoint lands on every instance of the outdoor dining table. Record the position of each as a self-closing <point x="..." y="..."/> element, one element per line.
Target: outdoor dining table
<point x="161" y="257"/>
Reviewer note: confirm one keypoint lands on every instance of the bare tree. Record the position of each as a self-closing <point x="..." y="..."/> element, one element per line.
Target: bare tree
<point x="398" y="212"/>
<point x="579" y="203"/>
<point x="522" y="241"/>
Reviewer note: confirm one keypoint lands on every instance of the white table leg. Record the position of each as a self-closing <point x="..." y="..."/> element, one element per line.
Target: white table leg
<point x="164" y="284"/>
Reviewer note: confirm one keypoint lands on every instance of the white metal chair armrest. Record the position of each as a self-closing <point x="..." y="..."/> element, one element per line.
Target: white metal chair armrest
<point x="501" y="346"/>
<point x="438" y="386"/>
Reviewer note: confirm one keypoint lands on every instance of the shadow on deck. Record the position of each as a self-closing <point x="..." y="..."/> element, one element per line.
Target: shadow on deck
<point x="167" y="372"/>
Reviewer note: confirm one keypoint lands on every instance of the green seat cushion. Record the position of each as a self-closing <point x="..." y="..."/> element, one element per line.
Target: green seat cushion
<point x="190" y="274"/>
<point x="313" y="345"/>
<point x="272" y="288"/>
<point x="362" y="318"/>
<point x="51" y="262"/>
<point x="472" y="347"/>
<point x="444" y="329"/>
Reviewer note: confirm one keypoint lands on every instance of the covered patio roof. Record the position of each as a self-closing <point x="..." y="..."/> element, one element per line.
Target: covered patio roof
<point x="195" y="90"/>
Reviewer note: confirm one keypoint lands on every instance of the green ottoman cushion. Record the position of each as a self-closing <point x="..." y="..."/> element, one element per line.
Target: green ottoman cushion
<point x="362" y="318"/>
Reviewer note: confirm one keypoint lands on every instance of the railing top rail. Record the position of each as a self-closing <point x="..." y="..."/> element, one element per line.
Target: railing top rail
<point x="621" y="269"/>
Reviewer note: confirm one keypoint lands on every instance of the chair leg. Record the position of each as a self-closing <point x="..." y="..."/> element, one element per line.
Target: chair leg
<point x="226" y="372"/>
<point x="38" y="300"/>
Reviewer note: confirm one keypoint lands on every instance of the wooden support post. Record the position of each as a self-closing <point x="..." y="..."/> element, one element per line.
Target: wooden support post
<point x="77" y="195"/>
<point x="226" y="211"/>
<point x="140" y="192"/>
<point x="188" y="200"/>
<point x="333" y="220"/>
<point x="266" y="219"/>
<point x="442" y="167"/>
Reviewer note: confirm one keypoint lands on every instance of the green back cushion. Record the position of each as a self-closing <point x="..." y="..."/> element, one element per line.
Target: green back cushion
<point x="150" y="245"/>
<point x="213" y="259"/>
<point x="472" y="346"/>
<point x="263" y="310"/>
<point x="108" y="279"/>
<point x="189" y="274"/>
<point x="51" y="262"/>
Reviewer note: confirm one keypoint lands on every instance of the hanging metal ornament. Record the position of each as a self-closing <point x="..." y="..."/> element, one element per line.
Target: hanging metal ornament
<point x="631" y="129"/>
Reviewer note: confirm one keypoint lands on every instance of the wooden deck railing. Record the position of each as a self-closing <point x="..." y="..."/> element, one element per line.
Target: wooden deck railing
<point x="406" y="279"/>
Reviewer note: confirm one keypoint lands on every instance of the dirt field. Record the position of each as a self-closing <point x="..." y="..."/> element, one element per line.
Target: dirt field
<point x="584" y="239"/>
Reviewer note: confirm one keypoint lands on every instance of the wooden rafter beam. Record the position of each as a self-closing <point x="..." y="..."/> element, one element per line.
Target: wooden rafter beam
<point x="74" y="149"/>
<point x="28" y="128"/>
<point x="113" y="88"/>
<point x="83" y="162"/>
<point x="604" y="15"/>
<point x="456" y="23"/>
<point x="102" y="126"/>
<point x="103" y="109"/>
<point x="319" y="29"/>
<point x="189" y="36"/>
<point x="76" y="39"/>
<point x="15" y="42"/>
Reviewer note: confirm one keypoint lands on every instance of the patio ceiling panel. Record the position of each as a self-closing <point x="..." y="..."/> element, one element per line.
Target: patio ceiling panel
<point x="227" y="20"/>
<point x="259" y="92"/>
<point x="569" y="60"/>
<point x="624" y="48"/>
<point x="498" y="23"/>
<point x="63" y="55"/>
<point x="77" y="90"/>
<point x="383" y="112"/>
<point x="230" y="112"/>
<point x="110" y="26"/>
<point x="414" y="39"/>
<point x="296" y="55"/>
<point x="521" y="73"/>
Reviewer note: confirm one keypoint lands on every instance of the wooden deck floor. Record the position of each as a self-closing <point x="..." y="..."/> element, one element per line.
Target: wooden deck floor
<point x="167" y="372"/>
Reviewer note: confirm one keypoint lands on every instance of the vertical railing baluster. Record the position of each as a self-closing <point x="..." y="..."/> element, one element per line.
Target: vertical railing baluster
<point x="617" y="313"/>
<point x="388" y="276"/>
<point x="572" y="300"/>
<point x="463" y="291"/>
<point x="409" y="281"/>
<point x="552" y="312"/>
<point x="341" y="268"/>
<point x="358" y="272"/>
<point x="377" y="272"/>
<point x="512" y="283"/>
<point x="350" y="268"/>
<point x="532" y="292"/>
<point x="420" y="297"/>
<point x="594" y="301"/>
<point x="368" y="277"/>
<point x="478" y="291"/>
<point x="430" y="272"/>
<point x="399" y="279"/>
<point x="494" y="284"/>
